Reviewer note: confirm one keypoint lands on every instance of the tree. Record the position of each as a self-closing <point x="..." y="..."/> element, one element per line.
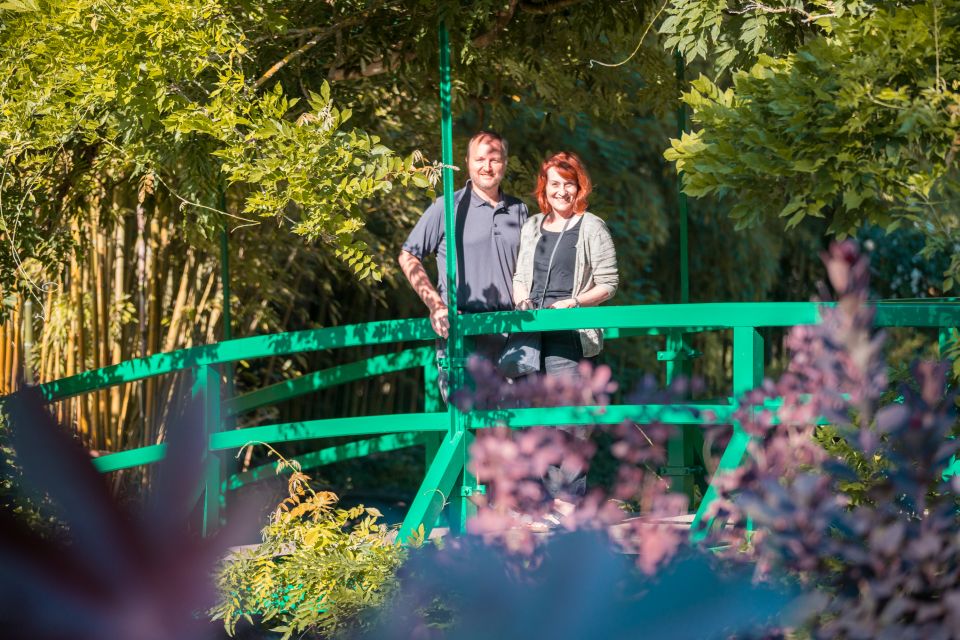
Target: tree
<point x="855" y="119"/>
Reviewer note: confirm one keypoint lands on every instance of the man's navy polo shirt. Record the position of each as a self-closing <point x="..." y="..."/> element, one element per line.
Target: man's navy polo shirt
<point x="490" y="242"/>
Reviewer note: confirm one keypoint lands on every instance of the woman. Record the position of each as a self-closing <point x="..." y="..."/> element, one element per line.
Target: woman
<point x="567" y="259"/>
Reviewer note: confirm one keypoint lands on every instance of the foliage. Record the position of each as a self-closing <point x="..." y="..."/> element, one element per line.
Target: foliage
<point x="36" y="517"/>
<point x="899" y="267"/>
<point x="317" y="568"/>
<point x="123" y="574"/>
<point x="859" y="511"/>
<point x="109" y="92"/>
<point x="731" y="33"/>
<point x="580" y="588"/>
<point x="873" y="542"/>
<point x="859" y="123"/>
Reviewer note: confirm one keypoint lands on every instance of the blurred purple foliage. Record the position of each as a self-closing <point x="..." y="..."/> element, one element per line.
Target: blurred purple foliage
<point x="513" y="466"/>
<point x="120" y="574"/>
<point x="883" y="565"/>
<point x="580" y="588"/>
<point x="889" y="565"/>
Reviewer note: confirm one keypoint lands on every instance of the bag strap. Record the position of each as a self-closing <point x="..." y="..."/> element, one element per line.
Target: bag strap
<point x="553" y="253"/>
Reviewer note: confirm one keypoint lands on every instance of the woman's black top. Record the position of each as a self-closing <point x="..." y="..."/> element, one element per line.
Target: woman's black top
<point x="560" y="286"/>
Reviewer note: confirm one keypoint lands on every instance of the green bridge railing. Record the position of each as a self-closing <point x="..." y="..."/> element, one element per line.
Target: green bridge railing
<point x="444" y="430"/>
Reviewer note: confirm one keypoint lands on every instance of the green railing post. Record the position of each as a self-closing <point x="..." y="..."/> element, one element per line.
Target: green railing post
<point x="207" y="386"/>
<point x="682" y="469"/>
<point x="456" y="351"/>
<point x="462" y="507"/>
<point x="681" y="196"/>
<point x="438" y="488"/>
<point x="432" y="402"/>
<point x="747" y="375"/>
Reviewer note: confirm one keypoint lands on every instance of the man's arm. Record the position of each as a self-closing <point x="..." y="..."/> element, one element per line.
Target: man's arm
<point x="420" y="281"/>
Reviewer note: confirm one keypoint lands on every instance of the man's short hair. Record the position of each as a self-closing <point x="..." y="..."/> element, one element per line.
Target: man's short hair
<point x="484" y="134"/>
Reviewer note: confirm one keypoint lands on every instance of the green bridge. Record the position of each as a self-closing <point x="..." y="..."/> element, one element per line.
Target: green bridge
<point x="445" y="431"/>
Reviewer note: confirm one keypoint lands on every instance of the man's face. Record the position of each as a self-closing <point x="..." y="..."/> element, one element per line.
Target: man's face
<point x="486" y="163"/>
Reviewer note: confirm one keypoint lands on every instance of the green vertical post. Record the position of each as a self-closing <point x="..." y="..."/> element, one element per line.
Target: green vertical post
<point x="681" y="196"/>
<point x="454" y="338"/>
<point x="432" y="402"/>
<point x="681" y="448"/>
<point x="747" y="375"/>
<point x="681" y="469"/>
<point x="207" y="386"/>
<point x="439" y="484"/>
<point x="456" y="353"/>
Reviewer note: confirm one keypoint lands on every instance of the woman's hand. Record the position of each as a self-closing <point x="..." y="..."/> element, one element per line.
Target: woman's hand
<point x="569" y="303"/>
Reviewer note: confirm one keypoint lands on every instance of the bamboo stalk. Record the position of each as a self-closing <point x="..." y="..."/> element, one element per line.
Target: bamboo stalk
<point x="16" y="364"/>
<point x="70" y="348"/>
<point x="83" y="401"/>
<point x="187" y="279"/>
<point x="5" y="347"/>
<point x="92" y="272"/>
<point x="104" y="336"/>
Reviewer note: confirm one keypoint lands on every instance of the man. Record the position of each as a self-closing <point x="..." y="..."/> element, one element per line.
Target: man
<point x="488" y="226"/>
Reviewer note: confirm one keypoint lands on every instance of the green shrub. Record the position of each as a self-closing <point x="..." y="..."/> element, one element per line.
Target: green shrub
<point x="316" y="570"/>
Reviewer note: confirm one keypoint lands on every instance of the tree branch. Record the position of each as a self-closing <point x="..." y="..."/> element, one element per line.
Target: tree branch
<point x="390" y="62"/>
<point x="503" y="19"/>
<point x="320" y="34"/>
<point x="293" y="55"/>
<point x="757" y="6"/>
<point x="375" y="67"/>
<point x="540" y="9"/>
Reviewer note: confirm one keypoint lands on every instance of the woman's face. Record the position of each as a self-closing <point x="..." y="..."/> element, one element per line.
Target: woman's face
<point x="561" y="192"/>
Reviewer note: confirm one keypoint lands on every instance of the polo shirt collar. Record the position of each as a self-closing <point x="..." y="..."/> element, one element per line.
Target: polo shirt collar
<point x="477" y="200"/>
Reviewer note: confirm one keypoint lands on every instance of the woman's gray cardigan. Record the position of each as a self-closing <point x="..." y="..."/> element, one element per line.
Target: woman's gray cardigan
<point x="596" y="265"/>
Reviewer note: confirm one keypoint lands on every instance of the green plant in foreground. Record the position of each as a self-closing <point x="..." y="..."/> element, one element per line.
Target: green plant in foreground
<point x="317" y="568"/>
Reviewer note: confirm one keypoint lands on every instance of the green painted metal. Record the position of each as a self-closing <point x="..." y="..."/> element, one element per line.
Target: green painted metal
<point x="434" y="492"/>
<point x="691" y="317"/>
<point x="207" y="387"/>
<point x="333" y="427"/>
<point x="432" y="402"/>
<point x="240" y="349"/>
<point x="747" y="375"/>
<point x="330" y="455"/>
<point x="694" y="413"/>
<point x="686" y="440"/>
<point x="681" y="196"/>
<point x="462" y="507"/>
<point x="456" y="351"/>
<point x="309" y="383"/>
<point x="686" y="317"/>
<point x="129" y="459"/>
<point x="672" y="320"/>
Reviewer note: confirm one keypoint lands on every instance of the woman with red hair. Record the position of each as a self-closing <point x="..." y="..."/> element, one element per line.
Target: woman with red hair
<point x="566" y="259"/>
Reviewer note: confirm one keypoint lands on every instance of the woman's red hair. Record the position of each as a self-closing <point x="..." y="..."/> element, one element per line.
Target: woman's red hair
<point x="570" y="167"/>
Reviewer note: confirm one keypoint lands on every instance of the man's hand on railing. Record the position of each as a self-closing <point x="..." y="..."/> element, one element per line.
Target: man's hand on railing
<point x="439" y="320"/>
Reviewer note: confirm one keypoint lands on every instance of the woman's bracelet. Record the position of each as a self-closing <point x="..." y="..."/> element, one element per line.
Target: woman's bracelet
<point x="576" y="302"/>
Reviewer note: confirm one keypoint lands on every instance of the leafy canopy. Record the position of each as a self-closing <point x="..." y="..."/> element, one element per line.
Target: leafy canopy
<point x="861" y="123"/>
<point x="100" y="92"/>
